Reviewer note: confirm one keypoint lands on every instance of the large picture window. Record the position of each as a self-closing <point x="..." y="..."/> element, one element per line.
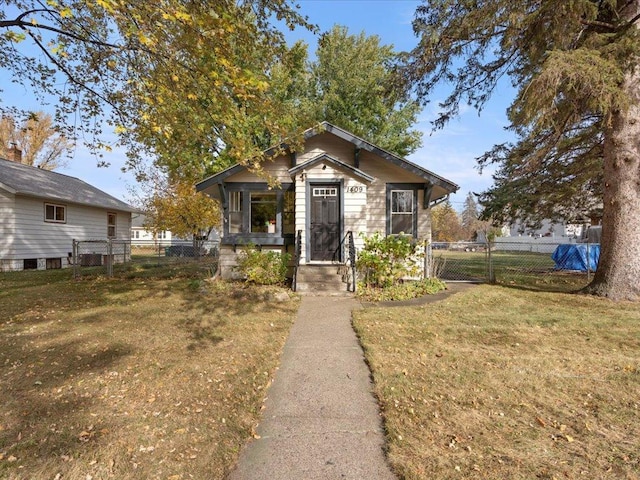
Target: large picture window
<point x="263" y="212"/>
<point x="55" y="213"/>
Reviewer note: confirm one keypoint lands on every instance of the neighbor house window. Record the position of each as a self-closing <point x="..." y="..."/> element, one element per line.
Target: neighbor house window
<point x="55" y="213"/>
<point x="263" y="212"/>
<point x="111" y="225"/>
<point x="235" y="212"/>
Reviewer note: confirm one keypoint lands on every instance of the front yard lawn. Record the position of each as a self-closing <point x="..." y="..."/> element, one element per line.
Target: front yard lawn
<point x="500" y="382"/>
<point x="153" y="374"/>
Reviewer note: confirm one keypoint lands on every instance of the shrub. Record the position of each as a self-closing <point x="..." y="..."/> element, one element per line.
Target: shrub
<point x="263" y="268"/>
<point x="385" y="260"/>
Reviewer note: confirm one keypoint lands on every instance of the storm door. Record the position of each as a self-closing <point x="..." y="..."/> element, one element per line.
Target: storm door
<point x="324" y="222"/>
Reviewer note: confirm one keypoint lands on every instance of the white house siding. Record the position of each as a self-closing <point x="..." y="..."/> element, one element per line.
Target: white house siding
<point x="7" y="231"/>
<point x="35" y="238"/>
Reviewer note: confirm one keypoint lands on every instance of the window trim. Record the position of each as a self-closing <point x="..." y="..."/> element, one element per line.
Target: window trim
<point x="395" y="187"/>
<point x="55" y="209"/>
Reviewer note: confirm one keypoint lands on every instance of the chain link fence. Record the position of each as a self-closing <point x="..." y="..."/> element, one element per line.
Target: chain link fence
<point x="99" y="256"/>
<point x="109" y="257"/>
<point x="513" y="261"/>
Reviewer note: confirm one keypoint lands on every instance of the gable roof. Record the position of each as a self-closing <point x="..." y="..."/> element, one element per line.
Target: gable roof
<point x="358" y="142"/>
<point x="395" y="159"/>
<point x="20" y="179"/>
<point x="323" y="157"/>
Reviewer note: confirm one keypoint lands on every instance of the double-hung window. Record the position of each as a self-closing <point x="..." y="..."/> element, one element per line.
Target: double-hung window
<point x="401" y="210"/>
<point x="111" y="225"/>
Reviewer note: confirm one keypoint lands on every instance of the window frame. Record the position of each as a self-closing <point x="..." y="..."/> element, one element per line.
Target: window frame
<point x="402" y="187"/>
<point x="55" y="206"/>
<point x="110" y="225"/>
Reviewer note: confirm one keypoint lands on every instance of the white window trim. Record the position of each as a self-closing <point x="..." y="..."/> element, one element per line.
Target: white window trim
<point x="55" y="207"/>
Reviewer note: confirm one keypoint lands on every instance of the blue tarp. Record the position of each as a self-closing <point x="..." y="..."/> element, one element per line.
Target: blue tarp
<point x="574" y="257"/>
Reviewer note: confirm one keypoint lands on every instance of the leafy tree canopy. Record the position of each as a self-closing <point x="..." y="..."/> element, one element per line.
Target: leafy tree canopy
<point x="168" y="75"/>
<point x="352" y="86"/>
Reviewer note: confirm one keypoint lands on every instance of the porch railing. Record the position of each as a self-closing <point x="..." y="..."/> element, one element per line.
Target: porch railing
<point x="351" y="259"/>
<point x="348" y="246"/>
<point x="296" y="260"/>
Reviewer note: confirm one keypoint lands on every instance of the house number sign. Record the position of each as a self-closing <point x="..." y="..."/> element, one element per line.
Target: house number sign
<point x="355" y="189"/>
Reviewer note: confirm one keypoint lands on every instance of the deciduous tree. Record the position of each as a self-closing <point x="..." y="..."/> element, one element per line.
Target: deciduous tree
<point x="445" y="224"/>
<point x="174" y="205"/>
<point x="352" y="87"/>
<point x="174" y="75"/>
<point x="576" y="113"/>
<point x="41" y="143"/>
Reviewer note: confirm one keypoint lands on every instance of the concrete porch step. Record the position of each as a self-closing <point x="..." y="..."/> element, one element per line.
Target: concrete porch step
<point x="321" y="279"/>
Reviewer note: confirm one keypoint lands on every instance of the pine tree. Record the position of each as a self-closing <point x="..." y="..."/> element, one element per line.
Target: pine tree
<point x="576" y="113"/>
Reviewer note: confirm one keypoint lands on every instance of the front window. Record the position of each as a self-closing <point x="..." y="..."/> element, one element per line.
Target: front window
<point x="111" y="225"/>
<point x="263" y="212"/>
<point x="402" y="212"/>
<point x="55" y="213"/>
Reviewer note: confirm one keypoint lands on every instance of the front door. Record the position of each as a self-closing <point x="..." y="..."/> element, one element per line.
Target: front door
<point x="325" y="221"/>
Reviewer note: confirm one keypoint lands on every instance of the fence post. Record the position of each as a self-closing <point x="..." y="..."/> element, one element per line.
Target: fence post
<point x="492" y="278"/>
<point x="74" y="257"/>
<point x="427" y="260"/>
<point x="109" y="258"/>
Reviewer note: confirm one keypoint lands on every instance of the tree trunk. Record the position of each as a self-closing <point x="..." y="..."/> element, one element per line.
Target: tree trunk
<point x="618" y="274"/>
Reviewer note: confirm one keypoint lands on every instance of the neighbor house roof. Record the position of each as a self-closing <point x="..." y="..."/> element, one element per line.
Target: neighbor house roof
<point x="358" y="142"/>
<point x="20" y="179"/>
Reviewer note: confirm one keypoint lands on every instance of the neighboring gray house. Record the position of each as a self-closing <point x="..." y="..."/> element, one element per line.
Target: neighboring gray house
<point x="41" y="212"/>
<point x="340" y="183"/>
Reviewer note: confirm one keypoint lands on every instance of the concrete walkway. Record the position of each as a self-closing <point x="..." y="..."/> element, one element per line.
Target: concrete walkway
<point x="321" y="420"/>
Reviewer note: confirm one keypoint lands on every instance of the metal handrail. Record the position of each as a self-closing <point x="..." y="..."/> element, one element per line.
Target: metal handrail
<point x="296" y="260"/>
<point x="350" y="259"/>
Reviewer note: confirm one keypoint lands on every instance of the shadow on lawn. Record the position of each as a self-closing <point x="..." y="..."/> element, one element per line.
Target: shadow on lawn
<point x="43" y="396"/>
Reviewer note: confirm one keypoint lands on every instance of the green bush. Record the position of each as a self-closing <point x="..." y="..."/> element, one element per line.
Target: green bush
<point x="263" y="268"/>
<point x="385" y="260"/>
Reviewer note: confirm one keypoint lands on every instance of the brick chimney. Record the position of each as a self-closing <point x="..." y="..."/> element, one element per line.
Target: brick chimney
<point x="14" y="153"/>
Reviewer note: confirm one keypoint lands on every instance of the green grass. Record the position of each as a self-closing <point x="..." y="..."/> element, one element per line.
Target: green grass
<point x="155" y="373"/>
<point x="529" y="269"/>
<point x="503" y="382"/>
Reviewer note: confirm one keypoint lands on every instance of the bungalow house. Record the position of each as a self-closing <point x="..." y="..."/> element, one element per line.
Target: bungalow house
<point x="41" y="212"/>
<point x="338" y="184"/>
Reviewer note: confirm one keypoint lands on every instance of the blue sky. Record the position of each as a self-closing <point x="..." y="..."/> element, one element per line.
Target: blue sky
<point x="449" y="152"/>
